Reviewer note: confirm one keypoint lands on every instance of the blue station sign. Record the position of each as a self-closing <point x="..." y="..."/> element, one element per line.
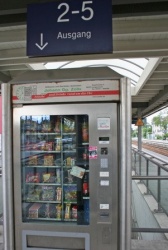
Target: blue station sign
<point x="69" y="27"/>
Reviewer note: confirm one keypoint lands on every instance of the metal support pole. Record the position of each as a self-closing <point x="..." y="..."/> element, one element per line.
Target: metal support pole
<point x="122" y="182"/>
<point x="129" y="167"/>
<point x="125" y="171"/>
<point x="136" y="156"/>
<point x="140" y="172"/>
<point x="147" y="174"/>
<point x="140" y="138"/>
<point x="139" y="133"/>
<point x="7" y="177"/>
<point x="159" y="191"/>
<point x="134" y="161"/>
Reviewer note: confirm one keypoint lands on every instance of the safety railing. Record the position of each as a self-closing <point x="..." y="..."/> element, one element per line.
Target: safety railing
<point x="152" y="172"/>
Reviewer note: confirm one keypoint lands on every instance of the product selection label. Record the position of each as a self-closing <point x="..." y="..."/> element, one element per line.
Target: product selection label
<point x="104" y="206"/>
<point x="104" y="183"/>
<point x="104" y="174"/>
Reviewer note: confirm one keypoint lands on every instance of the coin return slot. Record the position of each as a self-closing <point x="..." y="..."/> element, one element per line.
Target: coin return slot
<point x="104" y="215"/>
<point x="104" y="151"/>
<point x="47" y="242"/>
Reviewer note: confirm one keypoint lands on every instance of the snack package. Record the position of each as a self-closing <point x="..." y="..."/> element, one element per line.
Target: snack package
<point x="34" y="210"/>
<point x="46" y="125"/>
<point x="68" y="211"/>
<point x="47" y="211"/>
<point x="68" y="161"/>
<point x="68" y="178"/>
<point x="70" y="193"/>
<point x="34" y="193"/>
<point x="57" y="128"/>
<point x="74" y="212"/>
<point x="58" y="211"/>
<point x="40" y="160"/>
<point x="32" y="178"/>
<point x="46" y="177"/>
<point x="58" y="193"/>
<point x="49" y="177"/>
<point x="58" y="173"/>
<point x="48" y="193"/>
<point x="48" y="146"/>
<point x="42" y="145"/>
<point x="58" y="143"/>
<point x="48" y="160"/>
<point x="69" y="125"/>
<point x="34" y="146"/>
<point x="33" y="160"/>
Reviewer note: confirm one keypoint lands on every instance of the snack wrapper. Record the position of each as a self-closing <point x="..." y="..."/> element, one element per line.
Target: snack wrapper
<point x="33" y="160"/>
<point x="58" y="211"/>
<point x="48" y="160"/>
<point x="58" y="193"/>
<point x="68" y="211"/>
<point x="74" y="212"/>
<point x="48" y="193"/>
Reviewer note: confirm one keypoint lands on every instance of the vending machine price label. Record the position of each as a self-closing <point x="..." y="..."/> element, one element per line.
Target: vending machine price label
<point x="104" y="206"/>
<point x="104" y="174"/>
<point x="104" y="183"/>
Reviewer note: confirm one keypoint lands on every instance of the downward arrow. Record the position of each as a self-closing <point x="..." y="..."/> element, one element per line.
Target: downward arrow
<point x="41" y="46"/>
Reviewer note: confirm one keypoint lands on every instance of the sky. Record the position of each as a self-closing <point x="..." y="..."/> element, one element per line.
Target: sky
<point x="149" y="118"/>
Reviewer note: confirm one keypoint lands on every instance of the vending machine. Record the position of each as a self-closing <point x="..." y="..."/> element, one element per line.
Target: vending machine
<point x="66" y="165"/>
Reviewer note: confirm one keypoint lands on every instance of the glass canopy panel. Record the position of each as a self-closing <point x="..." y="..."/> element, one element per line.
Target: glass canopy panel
<point x="141" y="62"/>
<point x="131" y="68"/>
<point x="55" y="65"/>
<point x="108" y="62"/>
<point x="126" y="73"/>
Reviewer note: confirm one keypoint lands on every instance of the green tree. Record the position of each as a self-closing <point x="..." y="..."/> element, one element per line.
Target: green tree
<point x="135" y="133"/>
<point x="161" y="121"/>
<point x="146" y="129"/>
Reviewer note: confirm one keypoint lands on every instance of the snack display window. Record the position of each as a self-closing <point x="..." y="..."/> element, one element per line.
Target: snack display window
<point x="55" y="168"/>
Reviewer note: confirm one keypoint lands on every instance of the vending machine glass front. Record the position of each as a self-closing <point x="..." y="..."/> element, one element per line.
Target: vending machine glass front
<point x="55" y="168"/>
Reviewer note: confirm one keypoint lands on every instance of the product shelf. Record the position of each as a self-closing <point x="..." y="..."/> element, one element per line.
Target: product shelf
<point x="40" y="166"/>
<point x="70" y="202"/>
<point x="70" y="220"/>
<point x="43" y="184"/>
<point x="40" y="201"/>
<point x="69" y="184"/>
<point x="42" y="133"/>
<point x="44" y="219"/>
